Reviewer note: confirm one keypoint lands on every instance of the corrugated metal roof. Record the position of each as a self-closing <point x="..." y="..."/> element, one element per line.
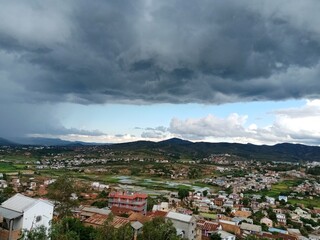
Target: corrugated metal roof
<point x="136" y="225"/>
<point x="19" y="203"/>
<point x="97" y="219"/>
<point x="179" y="216"/>
<point x="96" y="210"/>
<point x="250" y="227"/>
<point x="9" y="214"/>
<point x="119" y="221"/>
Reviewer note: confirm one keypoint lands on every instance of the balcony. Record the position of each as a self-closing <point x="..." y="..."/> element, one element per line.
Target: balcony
<point x="127" y="202"/>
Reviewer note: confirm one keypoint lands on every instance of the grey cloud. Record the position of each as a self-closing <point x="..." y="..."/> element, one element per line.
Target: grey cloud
<point x="153" y="52"/>
<point x="153" y="134"/>
<point x="157" y="132"/>
<point x="19" y="120"/>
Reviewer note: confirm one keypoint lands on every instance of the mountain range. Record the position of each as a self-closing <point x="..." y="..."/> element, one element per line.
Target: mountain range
<point x="176" y="148"/>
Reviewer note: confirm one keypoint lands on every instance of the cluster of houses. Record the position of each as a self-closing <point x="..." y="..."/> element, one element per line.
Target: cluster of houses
<point x="312" y="187"/>
<point x="249" y="182"/>
<point x="221" y="213"/>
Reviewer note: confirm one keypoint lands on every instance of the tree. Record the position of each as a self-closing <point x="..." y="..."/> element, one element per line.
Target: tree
<point x="150" y="202"/>
<point x="245" y="202"/>
<point x="215" y="236"/>
<point x="60" y="191"/>
<point x="205" y="193"/>
<point x="39" y="233"/>
<point x="228" y="211"/>
<point x="183" y="193"/>
<point x="72" y="229"/>
<point x="194" y="173"/>
<point x="159" y="229"/>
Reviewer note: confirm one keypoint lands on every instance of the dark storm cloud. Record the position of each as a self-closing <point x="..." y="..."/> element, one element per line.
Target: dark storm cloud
<point x="23" y="119"/>
<point x="148" y="51"/>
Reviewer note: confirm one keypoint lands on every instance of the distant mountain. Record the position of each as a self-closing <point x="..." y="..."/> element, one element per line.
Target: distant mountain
<point x="51" y="142"/>
<point x="178" y="147"/>
<point x="5" y="142"/>
<point x="175" y="141"/>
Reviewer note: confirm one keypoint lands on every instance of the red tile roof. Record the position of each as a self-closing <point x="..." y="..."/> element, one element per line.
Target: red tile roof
<point x="157" y="214"/>
<point x="207" y="225"/>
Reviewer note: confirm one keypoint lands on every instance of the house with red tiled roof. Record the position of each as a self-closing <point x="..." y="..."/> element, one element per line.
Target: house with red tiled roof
<point x="207" y="227"/>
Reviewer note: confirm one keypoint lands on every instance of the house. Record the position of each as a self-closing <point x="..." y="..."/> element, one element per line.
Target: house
<point x="163" y="206"/>
<point x="134" y="201"/>
<point x="252" y="228"/>
<point x="24" y="213"/>
<point x="284" y="198"/>
<point x="3" y="184"/>
<point x="244" y="214"/>
<point x="184" y="224"/>
<point x="86" y="212"/>
<point x="270" y="200"/>
<point x="281" y="219"/>
<point x="206" y="227"/>
<point x="266" y="221"/>
<point x="219" y="201"/>
<point x="230" y="226"/>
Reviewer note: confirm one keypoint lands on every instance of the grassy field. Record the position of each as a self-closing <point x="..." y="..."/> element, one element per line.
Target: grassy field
<point x="6" y="167"/>
<point x="19" y="158"/>
<point x="315" y="202"/>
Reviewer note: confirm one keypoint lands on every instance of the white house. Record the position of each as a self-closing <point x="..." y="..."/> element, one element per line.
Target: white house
<point x="281" y="218"/>
<point x="184" y="224"/>
<point x="163" y="206"/>
<point x="284" y="198"/>
<point x="271" y="200"/>
<point x="24" y="213"/>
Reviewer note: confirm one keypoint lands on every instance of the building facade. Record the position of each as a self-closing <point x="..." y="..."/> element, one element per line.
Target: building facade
<point x="136" y="202"/>
<point x="21" y="213"/>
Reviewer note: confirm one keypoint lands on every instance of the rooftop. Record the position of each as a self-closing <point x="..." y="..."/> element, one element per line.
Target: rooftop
<point x="20" y="203"/>
<point x="179" y="216"/>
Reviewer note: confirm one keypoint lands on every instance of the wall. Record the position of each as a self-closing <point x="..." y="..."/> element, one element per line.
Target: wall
<point x="39" y="209"/>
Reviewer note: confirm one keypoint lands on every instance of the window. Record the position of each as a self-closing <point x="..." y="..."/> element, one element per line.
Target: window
<point x="38" y="218"/>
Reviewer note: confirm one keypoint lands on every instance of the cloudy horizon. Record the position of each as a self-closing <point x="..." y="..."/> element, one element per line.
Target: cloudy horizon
<point x="118" y="71"/>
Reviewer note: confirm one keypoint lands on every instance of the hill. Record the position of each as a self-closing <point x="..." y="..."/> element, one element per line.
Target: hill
<point x="5" y="142"/>
<point x="178" y="148"/>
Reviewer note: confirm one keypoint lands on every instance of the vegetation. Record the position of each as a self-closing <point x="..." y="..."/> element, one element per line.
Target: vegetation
<point x="159" y="229"/>
<point x="183" y="193"/>
<point x="215" y="236"/>
<point x="61" y="191"/>
<point x="314" y="171"/>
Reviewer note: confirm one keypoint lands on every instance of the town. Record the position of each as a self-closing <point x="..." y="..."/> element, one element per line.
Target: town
<point x="221" y="196"/>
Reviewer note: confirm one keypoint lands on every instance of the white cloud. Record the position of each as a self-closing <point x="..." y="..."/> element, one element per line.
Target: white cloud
<point x="298" y="125"/>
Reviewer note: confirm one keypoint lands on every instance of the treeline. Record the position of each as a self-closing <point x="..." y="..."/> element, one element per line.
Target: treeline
<point x="70" y="228"/>
<point x="314" y="171"/>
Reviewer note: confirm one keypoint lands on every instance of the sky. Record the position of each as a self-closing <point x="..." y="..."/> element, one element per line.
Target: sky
<point x="117" y="71"/>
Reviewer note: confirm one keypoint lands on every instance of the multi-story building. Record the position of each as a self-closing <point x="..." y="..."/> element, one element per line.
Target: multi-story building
<point x="136" y="202"/>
